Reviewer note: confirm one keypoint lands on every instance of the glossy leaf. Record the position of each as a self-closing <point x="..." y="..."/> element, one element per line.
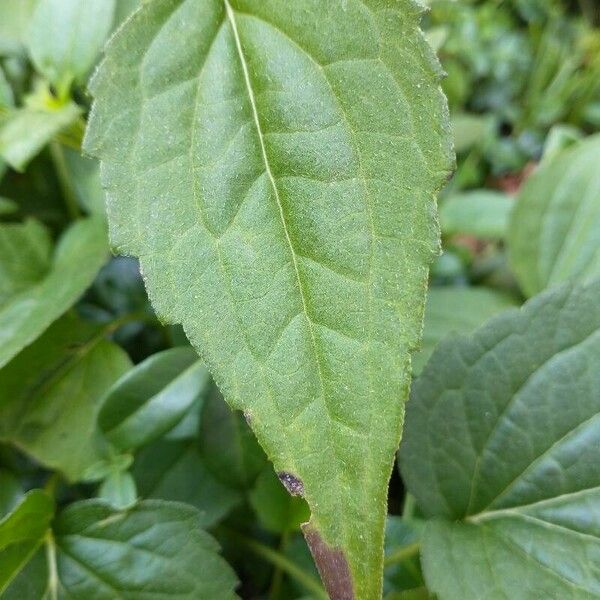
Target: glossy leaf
<point x="21" y="533"/>
<point x="176" y="471"/>
<point x="51" y="392"/>
<point x="77" y="257"/>
<point x="152" y="398"/>
<point x="284" y="213"/>
<point x="501" y="449"/>
<point x="65" y="37"/>
<point x="481" y="213"/>
<point x="456" y="310"/>
<point x="555" y="227"/>
<point x="104" y="554"/>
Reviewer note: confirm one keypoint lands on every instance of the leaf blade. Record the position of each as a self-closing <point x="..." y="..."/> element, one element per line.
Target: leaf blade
<point x="313" y="314"/>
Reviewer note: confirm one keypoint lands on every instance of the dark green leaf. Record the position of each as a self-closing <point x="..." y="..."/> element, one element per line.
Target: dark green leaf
<point x="176" y="471"/>
<point x="503" y="434"/>
<point x="230" y="451"/>
<point x="152" y="398"/>
<point x="284" y="213"/>
<point x="155" y="550"/>
<point x="11" y="492"/>
<point x="22" y="532"/>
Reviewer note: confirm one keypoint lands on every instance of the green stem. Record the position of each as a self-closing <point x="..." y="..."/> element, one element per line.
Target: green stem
<point x="53" y="580"/>
<point x="277" y="572"/>
<point x="64" y="179"/>
<point x="403" y="554"/>
<point x="52" y="483"/>
<point x="283" y="563"/>
<point x="408" y="510"/>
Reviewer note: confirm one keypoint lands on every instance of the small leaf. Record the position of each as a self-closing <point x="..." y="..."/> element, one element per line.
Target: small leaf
<point x="152" y="398"/>
<point x="119" y="490"/>
<point x="51" y="392"/>
<point x="84" y="174"/>
<point x="501" y="449"/>
<point x="176" y="471"/>
<point x="27" y="130"/>
<point x="79" y="254"/>
<point x="105" y="554"/>
<point x="66" y="36"/>
<point x="554" y="231"/>
<point x="481" y="213"/>
<point x="458" y="310"/>
<point x="21" y="533"/>
<point x="276" y="509"/>
<point x="283" y="212"/>
<point x="402" y="571"/>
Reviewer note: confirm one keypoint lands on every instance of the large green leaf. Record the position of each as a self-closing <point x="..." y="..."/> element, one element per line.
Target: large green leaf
<point x="456" y="310"/>
<point x="65" y="37"/>
<point x="152" y="398"/>
<point x="501" y="450"/>
<point x="156" y="550"/>
<point x="274" y="165"/>
<point x="554" y="232"/>
<point x="51" y="392"/>
<point x="77" y="258"/>
<point x="21" y="533"/>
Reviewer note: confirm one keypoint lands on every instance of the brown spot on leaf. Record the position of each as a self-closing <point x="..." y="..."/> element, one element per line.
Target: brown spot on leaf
<point x="332" y="565"/>
<point x="292" y="484"/>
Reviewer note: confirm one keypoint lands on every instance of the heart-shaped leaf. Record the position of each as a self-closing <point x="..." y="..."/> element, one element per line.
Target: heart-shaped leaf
<point x="501" y="450"/>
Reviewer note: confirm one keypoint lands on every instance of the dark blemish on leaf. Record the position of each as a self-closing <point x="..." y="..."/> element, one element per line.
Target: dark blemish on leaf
<point x="332" y="565"/>
<point x="292" y="484"/>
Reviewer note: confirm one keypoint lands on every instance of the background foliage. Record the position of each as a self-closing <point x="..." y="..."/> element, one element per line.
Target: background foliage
<point x="83" y="358"/>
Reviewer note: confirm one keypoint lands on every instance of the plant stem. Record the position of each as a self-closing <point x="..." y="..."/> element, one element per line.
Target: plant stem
<point x="403" y="554"/>
<point x="281" y="562"/>
<point x="52" y="483"/>
<point x="64" y="179"/>
<point x="408" y="510"/>
<point x="53" y="580"/>
<point x="278" y="573"/>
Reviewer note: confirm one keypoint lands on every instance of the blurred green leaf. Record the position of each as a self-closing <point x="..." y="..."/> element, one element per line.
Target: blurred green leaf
<point x="229" y="448"/>
<point x="402" y="567"/>
<point x="152" y="398"/>
<point x="77" y="257"/>
<point x="26" y="254"/>
<point x="275" y="508"/>
<point x="65" y="37"/>
<point x="50" y="395"/>
<point x="119" y="490"/>
<point x="11" y="492"/>
<point x="469" y="130"/>
<point x="15" y="16"/>
<point x="27" y="130"/>
<point x="554" y="231"/>
<point x="501" y="447"/>
<point x="175" y="470"/>
<point x="21" y="533"/>
<point x="458" y="310"/>
<point x="481" y="213"/>
<point x="84" y="175"/>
